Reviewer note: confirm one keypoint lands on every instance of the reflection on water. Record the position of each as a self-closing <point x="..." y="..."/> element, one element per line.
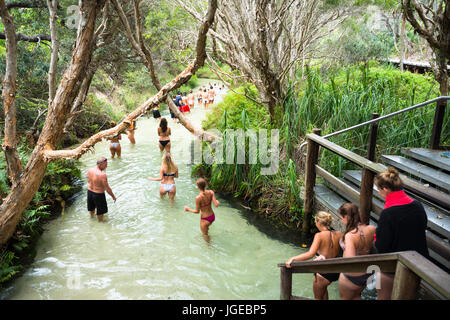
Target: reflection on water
<point x="150" y="248"/>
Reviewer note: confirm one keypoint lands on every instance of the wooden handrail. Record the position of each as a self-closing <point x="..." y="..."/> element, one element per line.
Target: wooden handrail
<point x="440" y="199"/>
<point x="418" y="268"/>
<point x="386" y="262"/>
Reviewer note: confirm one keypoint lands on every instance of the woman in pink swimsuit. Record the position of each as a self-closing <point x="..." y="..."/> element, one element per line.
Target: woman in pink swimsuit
<point x="203" y="205"/>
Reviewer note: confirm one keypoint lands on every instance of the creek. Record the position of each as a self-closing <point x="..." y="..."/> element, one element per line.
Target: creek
<point x="150" y="248"/>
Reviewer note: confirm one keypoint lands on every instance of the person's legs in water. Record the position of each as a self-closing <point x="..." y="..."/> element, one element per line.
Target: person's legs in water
<point x="167" y="147"/>
<point x="119" y="151"/>
<point x="204" y="227"/>
<point x="113" y="151"/>
<point x="172" y="193"/>
<point x="92" y="213"/>
<point x="320" y="285"/>
<point x="162" y="192"/>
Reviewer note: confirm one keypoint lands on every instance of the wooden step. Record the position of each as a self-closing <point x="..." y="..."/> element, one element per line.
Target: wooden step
<point x="428" y="174"/>
<point x="438" y="220"/>
<point x="333" y="201"/>
<point x="354" y="176"/>
<point x="439" y="251"/>
<point x="437" y="158"/>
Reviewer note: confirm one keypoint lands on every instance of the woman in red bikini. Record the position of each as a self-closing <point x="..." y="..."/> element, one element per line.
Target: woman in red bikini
<point x="203" y="205"/>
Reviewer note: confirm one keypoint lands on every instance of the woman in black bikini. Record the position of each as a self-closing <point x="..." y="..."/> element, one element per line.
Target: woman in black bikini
<point x="203" y="205"/>
<point x="358" y="239"/>
<point x="324" y="246"/>
<point x="164" y="133"/>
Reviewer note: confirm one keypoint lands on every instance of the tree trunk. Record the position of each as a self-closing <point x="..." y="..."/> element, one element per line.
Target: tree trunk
<point x="145" y="54"/>
<point x="23" y="192"/>
<point x="52" y="7"/>
<point x="13" y="163"/>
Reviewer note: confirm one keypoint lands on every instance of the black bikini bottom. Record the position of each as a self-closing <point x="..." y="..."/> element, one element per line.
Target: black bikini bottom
<point x="164" y="142"/>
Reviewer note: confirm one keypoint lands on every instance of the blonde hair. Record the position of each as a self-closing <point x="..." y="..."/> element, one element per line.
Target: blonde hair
<point x="323" y="218"/>
<point x="389" y="179"/>
<point x="168" y="162"/>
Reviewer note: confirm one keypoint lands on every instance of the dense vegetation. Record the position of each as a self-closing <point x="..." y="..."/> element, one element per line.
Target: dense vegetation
<point x="330" y="100"/>
<point x="323" y="95"/>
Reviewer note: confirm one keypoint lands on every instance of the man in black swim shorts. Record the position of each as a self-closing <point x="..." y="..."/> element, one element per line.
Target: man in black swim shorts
<point x="97" y="185"/>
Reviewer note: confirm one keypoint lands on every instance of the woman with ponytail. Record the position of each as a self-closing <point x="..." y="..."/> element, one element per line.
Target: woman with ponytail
<point x="357" y="241"/>
<point x="401" y="226"/>
<point x="325" y="246"/>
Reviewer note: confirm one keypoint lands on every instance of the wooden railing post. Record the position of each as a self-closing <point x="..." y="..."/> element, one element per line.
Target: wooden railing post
<point x="406" y="283"/>
<point x="365" y="196"/>
<point x="437" y="125"/>
<point x="286" y="283"/>
<point x="310" y="181"/>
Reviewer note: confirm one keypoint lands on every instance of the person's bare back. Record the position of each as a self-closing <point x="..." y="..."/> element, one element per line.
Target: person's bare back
<point x="96" y="180"/>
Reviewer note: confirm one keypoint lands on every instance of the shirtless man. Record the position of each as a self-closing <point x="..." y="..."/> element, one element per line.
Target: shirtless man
<point x="97" y="185"/>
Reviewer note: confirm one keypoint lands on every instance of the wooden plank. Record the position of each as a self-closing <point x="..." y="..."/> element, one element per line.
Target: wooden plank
<point x="437" y="158"/>
<point x="436" y="197"/>
<point x="428" y="271"/>
<point x="285" y="283"/>
<point x="310" y="181"/>
<point x="347" y="154"/>
<point x="428" y="174"/>
<point x="386" y="263"/>
<point x="437" y="220"/>
<point x="406" y="284"/>
<point x="438" y="248"/>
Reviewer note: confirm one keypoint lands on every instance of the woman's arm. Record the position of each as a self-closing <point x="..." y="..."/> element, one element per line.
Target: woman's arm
<point x="160" y="176"/>
<point x="307" y="255"/>
<point x="197" y="206"/>
<point x="215" y="201"/>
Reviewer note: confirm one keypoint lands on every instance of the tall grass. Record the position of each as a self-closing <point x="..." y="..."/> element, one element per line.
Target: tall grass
<point x="330" y="102"/>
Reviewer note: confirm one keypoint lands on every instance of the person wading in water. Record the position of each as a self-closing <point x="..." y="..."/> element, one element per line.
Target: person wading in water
<point x="203" y="205"/>
<point x="97" y="185"/>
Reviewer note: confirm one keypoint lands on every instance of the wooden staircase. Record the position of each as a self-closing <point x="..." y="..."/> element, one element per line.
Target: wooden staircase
<point x="425" y="167"/>
<point x="425" y="175"/>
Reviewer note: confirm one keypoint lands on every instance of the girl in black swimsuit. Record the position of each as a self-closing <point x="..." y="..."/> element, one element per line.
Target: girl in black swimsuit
<point x="324" y="246"/>
<point x="156" y="113"/>
<point x="357" y="241"/>
<point x="164" y="133"/>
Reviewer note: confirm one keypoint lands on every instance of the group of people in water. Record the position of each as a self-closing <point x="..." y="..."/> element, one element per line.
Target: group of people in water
<point x="401" y="227"/>
<point x="98" y="183"/>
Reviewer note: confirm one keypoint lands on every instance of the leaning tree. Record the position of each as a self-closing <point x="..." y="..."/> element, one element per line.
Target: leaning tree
<point x="25" y="182"/>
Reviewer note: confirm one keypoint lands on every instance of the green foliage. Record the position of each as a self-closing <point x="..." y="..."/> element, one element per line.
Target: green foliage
<point x="339" y="100"/>
<point x="8" y="266"/>
<point x="233" y="105"/>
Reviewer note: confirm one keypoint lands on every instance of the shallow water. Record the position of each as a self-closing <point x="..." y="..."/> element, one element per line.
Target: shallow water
<point x="152" y="249"/>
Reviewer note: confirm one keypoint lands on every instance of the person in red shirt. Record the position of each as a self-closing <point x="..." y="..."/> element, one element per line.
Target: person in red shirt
<point x="401" y="226"/>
